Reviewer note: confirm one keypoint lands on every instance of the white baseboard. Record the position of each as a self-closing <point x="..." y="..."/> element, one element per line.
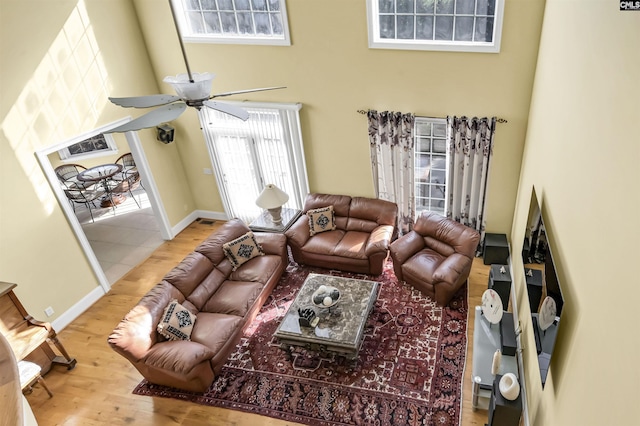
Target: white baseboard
<point x="204" y="214"/>
<point x="77" y="309"/>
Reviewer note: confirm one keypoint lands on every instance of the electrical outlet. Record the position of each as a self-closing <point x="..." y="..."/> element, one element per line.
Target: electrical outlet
<point x="49" y="311"/>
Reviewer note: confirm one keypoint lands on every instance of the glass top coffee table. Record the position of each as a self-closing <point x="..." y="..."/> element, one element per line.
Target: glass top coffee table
<point x="340" y="328"/>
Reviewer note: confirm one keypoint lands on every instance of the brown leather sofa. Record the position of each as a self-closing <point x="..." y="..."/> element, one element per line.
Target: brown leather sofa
<point x="364" y="229"/>
<point x="224" y="301"/>
<point x="436" y="256"/>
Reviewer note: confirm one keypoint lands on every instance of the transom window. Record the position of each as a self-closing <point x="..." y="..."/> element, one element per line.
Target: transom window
<point x="234" y="21"/>
<point x="430" y="171"/>
<point x="455" y="25"/>
<point x="95" y="146"/>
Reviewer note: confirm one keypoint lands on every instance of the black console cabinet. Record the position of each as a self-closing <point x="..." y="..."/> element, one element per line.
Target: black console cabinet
<point x="503" y="412"/>
<point x="495" y="249"/>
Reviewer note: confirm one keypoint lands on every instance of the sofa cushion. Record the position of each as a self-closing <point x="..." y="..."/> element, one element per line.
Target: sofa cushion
<point x="352" y="245"/>
<point x="234" y="298"/>
<point x="340" y="203"/>
<point x="321" y="220"/>
<point x="422" y="265"/>
<point x="214" y="330"/>
<point x="242" y="249"/>
<point x="189" y="273"/>
<point x="177" y="322"/>
<point x="212" y="246"/>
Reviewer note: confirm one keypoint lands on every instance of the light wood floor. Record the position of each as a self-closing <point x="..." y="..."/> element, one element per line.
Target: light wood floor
<point x="98" y="390"/>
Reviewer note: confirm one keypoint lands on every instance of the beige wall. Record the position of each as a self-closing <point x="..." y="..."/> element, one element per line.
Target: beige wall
<point x="582" y="155"/>
<point x="332" y="72"/>
<point x="41" y="107"/>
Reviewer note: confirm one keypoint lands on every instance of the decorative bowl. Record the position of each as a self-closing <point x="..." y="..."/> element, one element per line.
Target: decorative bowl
<point x="325" y="296"/>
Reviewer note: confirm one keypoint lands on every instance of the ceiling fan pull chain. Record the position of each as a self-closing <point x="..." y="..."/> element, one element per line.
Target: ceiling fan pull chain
<point x="184" y="53"/>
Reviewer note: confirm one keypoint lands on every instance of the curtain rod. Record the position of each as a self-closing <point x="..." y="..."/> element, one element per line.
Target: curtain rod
<point x="499" y="120"/>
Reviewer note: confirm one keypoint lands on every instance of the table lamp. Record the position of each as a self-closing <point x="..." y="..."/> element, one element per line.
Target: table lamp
<point x="273" y="198"/>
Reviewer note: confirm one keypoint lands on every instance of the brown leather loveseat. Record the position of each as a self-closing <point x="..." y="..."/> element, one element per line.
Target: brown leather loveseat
<point x="224" y="302"/>
<point x="364" y="228"/>
<point x="436" y="256"/>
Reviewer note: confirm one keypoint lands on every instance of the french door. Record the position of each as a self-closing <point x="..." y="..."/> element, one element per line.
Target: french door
<point x="246" y="156"/>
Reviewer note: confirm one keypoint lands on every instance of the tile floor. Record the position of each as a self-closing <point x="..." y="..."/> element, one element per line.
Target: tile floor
<point x="122" y="240"/>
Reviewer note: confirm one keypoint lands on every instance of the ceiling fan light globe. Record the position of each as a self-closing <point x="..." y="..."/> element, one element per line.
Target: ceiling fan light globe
<point x="199" y="89"/>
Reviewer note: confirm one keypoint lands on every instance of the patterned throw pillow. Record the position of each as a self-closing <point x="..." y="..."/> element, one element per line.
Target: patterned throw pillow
<point x="242" y="249"/>
<point x="320" y="220"/>
<point x="177" y="322"/>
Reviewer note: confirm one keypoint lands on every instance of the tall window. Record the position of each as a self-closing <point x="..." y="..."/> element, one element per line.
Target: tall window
<point x="234" y="21"/>
<point x="247" y="155"/>
<point x="454" y="25"/>
<point x="430" y="164"/>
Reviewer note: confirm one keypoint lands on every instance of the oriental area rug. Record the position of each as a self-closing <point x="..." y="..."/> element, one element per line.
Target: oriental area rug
<point x="409" y="369"/>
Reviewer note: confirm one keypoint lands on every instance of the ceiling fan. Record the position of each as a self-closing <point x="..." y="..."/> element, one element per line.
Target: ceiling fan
<point x="193" y="89"/>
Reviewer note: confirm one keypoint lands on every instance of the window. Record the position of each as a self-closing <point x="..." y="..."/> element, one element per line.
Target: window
<point x="95" y="146"/>
<point x="246" y="156"/>
<point x="453" y="25"/>
<point x="430" y="164"/>
<point x="234" y="21"/>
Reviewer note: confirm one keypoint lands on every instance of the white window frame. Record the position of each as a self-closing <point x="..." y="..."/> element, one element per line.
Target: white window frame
<point x="291" y="134"/>
<point x="112" y="149"/>
<point x="255" y="39"/>
<point x="375" y="42"/>
<point x="417" y="157"/>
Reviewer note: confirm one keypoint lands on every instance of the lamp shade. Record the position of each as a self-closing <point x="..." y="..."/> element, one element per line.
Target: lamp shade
<point x="272" y="197"/>
<point x="198" y="89"/>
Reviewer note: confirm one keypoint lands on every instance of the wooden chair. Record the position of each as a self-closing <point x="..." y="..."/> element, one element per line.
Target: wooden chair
<point x="27" y="336"/>
<point x="30" y="374"/>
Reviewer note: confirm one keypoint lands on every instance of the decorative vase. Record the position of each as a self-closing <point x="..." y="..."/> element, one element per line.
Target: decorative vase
<point x="509" y="386"/>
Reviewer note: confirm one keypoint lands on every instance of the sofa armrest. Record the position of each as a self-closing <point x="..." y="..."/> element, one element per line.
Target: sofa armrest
<point x="406" y="246"/>
<point x="379" y="240"/>
<point x="178" y="356"/>
<point x="451" y="268"/>
<point x="136" y="333"/>
<point x="298" y="233"/>
<point x="271" y="243"/>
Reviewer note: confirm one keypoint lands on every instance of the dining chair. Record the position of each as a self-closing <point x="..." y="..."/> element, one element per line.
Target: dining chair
<point x="68" y="175"/>
<point x="84" y="196"/>
<point x="128" y="167"/>
<point x="130" y="182"/>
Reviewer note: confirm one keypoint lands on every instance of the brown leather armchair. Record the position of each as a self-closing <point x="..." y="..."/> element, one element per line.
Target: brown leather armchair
<point x="436" y="256"/>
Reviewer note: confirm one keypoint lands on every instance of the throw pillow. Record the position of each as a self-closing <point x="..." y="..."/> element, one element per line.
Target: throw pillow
<point x="321" y="220"/>
<point x="242" y="249"/>
<point x="177" y="322"/>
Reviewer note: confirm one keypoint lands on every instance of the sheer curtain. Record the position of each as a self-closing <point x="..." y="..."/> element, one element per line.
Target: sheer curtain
<point x="391" y="141"/>
<point x="247" y="155"/>
<point x="470" y="150"/>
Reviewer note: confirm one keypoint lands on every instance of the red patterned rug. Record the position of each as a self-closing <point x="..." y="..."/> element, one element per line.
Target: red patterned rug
<point x="409" y="370"/>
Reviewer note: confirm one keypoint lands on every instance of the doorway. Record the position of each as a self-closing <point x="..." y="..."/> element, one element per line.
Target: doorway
<point x="109" y="268"/>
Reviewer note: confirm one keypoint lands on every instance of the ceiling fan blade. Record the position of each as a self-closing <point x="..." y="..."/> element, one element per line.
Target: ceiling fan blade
<point x="144" y="101"/>
<point x="229" y="109"/>
<point x="237" y="92"/>
<point x="151" y="119"/>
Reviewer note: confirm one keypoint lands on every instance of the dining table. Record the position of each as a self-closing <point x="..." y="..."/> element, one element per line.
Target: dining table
<point x="101" y="175"/>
